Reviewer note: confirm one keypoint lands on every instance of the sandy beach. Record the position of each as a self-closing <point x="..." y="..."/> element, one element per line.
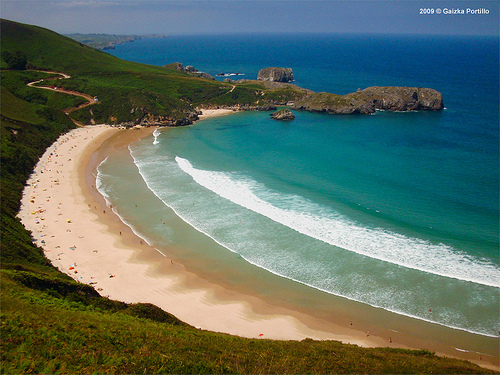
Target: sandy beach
<point x="83" y="238"/>
<point x="206" y="113"/>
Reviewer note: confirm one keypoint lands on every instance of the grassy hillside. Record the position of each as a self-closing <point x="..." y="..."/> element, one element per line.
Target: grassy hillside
<point x="67" y="336"/>
<point x="128" y="92"/>
<point x="52" y="324"/>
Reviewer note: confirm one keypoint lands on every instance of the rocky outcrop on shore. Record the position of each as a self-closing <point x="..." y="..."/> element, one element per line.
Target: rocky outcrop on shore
<point x="365" y="101"/>
<point x="189" y="69"/>
<point x="157" y="120"/>
<point x="283" y="114"/>
<point x="275" y="74"/>
<point x="369" y="100"/>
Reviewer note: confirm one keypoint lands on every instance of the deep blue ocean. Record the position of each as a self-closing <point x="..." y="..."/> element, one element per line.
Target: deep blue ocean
<point x="394" y="210"/>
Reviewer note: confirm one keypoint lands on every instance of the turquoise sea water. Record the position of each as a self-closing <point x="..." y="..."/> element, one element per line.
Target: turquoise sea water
<point x="394" y="210"/>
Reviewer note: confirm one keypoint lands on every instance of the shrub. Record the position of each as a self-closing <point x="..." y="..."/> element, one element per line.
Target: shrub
<point x="16" y="60"/>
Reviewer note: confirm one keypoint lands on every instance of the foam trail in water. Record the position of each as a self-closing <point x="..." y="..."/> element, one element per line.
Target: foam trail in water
<point x="156" y="134"/>
<point x="328" y="226"/>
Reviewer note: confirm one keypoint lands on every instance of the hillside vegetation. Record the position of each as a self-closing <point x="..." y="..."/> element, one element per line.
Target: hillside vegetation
<point x="128" y="92"/>
<point x="52" y="324"/>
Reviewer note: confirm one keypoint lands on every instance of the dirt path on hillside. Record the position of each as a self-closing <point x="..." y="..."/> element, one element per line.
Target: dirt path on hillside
<point x="90" y="99"/>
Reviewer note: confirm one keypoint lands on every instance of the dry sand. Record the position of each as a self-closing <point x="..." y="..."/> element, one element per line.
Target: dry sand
<point x="206" y="113"/>
<point x="83" y="238"/>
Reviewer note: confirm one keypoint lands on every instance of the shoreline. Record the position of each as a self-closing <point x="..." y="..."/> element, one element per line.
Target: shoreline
<point x="207" y="113"/>
<point x="105" y="252"/>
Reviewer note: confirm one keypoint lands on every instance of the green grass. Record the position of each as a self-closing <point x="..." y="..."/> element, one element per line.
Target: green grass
<point x="52" y="324"/>
<point x="16" y="81"/>
<point x="64" y="336"/>
<point x="16" y="108"/>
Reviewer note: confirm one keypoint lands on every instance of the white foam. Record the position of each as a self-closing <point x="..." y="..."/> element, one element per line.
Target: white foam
<point x="326" y="225"/>
<point x="156" y="134"/>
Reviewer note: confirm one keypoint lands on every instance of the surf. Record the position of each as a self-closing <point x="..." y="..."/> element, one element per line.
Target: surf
<point x="331" y="227"/>
<point x="271" y="246"/>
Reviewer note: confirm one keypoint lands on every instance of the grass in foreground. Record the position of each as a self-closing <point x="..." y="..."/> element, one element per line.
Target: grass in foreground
<point x="47" y="333"/>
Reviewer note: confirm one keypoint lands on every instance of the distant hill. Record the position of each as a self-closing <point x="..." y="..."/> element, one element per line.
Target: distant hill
<point x="109" y="41"/>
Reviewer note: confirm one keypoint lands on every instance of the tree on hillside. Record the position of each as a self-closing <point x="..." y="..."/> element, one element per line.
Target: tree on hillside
<point x="17" y="60"/>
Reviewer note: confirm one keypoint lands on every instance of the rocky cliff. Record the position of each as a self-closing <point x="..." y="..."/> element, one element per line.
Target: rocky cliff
<point x="189" y="69"/>
<point x="275" y="74"/>
<point x="182" y="119"/>
<point x="372" y="98"/>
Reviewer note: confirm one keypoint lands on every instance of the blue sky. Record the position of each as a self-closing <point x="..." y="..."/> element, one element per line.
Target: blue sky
<point x="249" y="16"/>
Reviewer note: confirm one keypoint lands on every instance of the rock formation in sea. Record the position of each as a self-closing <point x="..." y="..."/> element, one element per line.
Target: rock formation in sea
<point x="283" y="114"/>
<point x="372" y="98"/>
<point x="275" y="74"/>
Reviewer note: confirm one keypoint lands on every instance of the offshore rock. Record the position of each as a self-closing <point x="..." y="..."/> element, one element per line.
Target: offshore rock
<point x="283" y="114"/>
<point x="275" y="75"/>
<point x="372" y="98"/>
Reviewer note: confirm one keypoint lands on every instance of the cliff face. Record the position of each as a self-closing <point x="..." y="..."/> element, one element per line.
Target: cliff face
<point x="275" y="74"/>
<point x="368" y="100"/>
<point x="186" y="118"/>
<point x="402" y="98"/>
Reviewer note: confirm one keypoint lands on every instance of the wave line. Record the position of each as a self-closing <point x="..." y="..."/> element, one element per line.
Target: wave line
<point x="333" y="228"/>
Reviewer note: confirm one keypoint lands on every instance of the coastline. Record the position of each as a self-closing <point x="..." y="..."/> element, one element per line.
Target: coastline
<point x="99" y="246"/>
